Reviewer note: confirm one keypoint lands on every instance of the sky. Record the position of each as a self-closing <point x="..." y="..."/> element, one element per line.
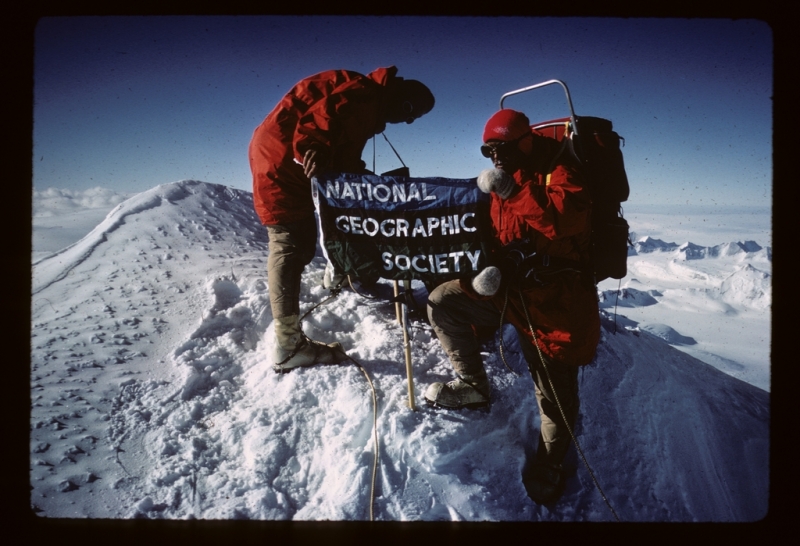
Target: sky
<point x="130" y="102"/>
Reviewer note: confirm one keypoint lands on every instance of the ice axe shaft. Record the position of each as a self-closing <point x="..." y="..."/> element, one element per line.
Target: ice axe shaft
<point x="407" y="346"/>
<point x="397" y="303"/>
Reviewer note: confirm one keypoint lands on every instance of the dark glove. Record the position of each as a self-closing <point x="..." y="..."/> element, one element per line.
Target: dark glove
<point x="315" y="161"/>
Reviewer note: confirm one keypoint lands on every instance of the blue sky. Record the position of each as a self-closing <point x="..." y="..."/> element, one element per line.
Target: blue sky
<point x="128" y="103"/>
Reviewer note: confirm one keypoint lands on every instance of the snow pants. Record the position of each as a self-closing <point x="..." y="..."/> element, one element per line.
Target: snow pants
<point x="455" y="316"/>
<point x="291" y="248"/>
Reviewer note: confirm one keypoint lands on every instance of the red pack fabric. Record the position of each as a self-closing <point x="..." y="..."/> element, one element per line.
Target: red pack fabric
<point x="597" y="148"/>
<point x="337" y="109"/>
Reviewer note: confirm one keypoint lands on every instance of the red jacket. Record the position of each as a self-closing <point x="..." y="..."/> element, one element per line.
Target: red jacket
<point x="555" y="215"/>
<point x="337" y="109"/>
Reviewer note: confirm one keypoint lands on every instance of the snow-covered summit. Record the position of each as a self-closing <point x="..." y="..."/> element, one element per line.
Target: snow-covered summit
<point x="195" y="201"/>
<point x="748" y="286"/>
<point x="650" y="244"/>
<point x="152" y="396"/>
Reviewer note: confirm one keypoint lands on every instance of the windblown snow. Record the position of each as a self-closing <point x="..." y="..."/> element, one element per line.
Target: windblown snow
<point x="152" y="396"/>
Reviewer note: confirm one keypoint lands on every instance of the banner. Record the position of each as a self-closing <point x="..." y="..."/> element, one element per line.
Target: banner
<point x="400" y="228"/>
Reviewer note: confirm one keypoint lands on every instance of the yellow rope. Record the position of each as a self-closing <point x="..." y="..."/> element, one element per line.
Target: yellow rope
<point x="335" y="292"/>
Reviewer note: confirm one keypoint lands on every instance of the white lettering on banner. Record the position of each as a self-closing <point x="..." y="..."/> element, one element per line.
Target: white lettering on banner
<point x="398" y="227"/>
<point x="418" y="229"/>
<point x="430" y="263"/>
<point x="398" y="193"/>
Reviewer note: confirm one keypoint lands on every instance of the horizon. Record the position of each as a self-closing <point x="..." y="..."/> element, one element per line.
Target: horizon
<point x="61" y="217"/>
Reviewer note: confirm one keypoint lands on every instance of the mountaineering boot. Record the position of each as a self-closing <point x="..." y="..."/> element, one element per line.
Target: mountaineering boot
<point x="544" y="482"/>
<point x="466" y="391"/>
<point x="292" y="349"/>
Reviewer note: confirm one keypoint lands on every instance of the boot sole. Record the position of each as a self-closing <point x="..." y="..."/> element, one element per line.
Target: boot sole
<point x="479" y="406"/>
<point x="287" y="369"/>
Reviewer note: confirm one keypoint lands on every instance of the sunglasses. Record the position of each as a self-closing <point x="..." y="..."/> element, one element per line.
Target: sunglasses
<point x="408" y="110"/>
<point x="501" y="148"/>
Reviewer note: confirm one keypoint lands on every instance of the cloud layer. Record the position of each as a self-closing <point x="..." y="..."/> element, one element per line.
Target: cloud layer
<point x="54" y="201"/>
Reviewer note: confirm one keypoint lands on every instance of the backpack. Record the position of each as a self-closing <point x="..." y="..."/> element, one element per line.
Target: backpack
<point x="596" y="147"/>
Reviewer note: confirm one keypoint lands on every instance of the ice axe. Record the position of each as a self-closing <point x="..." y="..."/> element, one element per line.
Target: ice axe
<point x="407" y="348"/>
<point x="402" y="318"/>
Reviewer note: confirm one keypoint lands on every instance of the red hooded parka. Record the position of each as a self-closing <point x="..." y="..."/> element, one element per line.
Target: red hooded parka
<point x="336" y="109"/>
<point x="554" y="212"/>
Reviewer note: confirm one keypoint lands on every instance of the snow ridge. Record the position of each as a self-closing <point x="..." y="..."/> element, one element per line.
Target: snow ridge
<point x="55" y="267"/>
<point x="691" y="251"/>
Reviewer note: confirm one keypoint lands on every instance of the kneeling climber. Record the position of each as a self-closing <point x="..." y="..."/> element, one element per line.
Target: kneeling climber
<point x="540" y="212"/>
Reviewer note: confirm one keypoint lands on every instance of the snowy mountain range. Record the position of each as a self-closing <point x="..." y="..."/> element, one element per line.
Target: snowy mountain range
<point x="152" y="396"/>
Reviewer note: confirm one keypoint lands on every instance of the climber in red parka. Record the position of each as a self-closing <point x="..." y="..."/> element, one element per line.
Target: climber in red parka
<point x="538" y="282"/>
<point x="322" y="124"/>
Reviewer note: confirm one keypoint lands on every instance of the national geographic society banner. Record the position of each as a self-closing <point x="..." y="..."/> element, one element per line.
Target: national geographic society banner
<point x="400" y="228"/>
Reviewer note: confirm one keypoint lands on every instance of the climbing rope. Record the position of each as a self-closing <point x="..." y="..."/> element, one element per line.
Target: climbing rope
<point x="502" y="343"/>
<point x="374" y="434"/>
<point x="305" y="339"/>
<point x="392" y="147"/>
<point x="353" y="288"/>
<point x="335" y="291"/>
<point x="560" y="408"/>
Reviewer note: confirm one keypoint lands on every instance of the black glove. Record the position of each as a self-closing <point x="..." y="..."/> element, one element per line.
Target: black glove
<point x="315" y="161"/>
